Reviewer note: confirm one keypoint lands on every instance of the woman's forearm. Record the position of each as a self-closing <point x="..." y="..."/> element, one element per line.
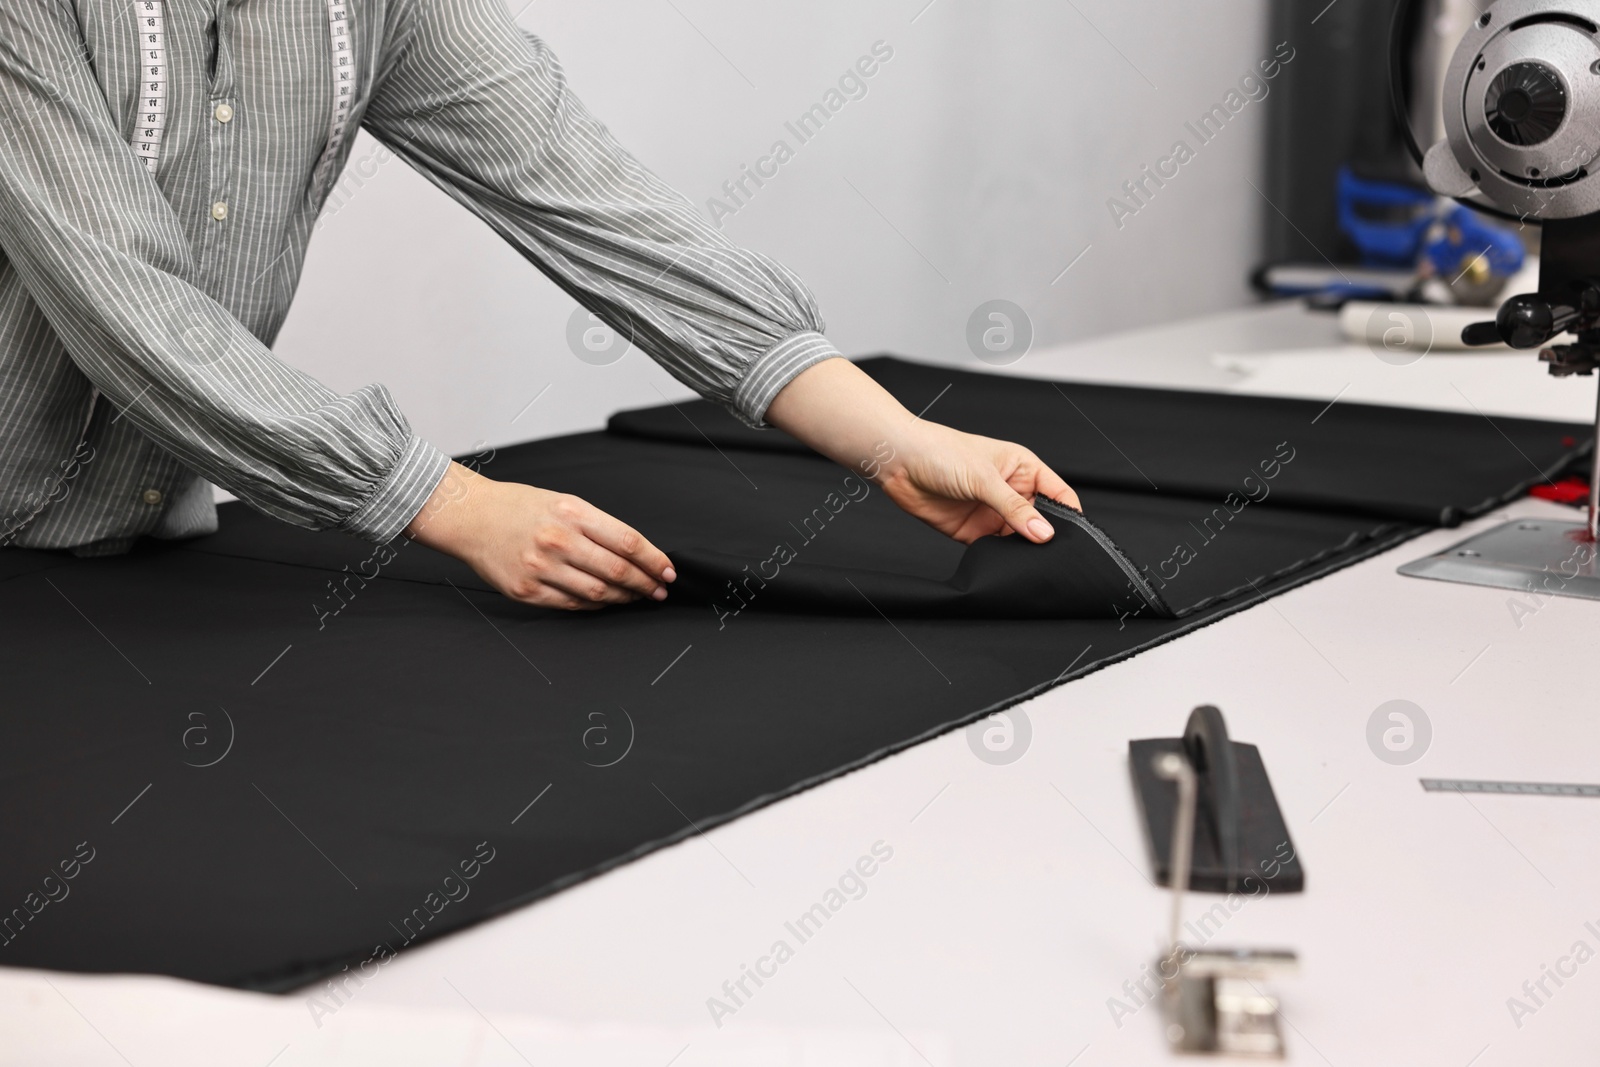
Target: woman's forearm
<point x="964" y="485"/>
<point x="836" y="409"/>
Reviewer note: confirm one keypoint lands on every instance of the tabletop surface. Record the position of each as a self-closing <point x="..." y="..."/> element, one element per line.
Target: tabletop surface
<point x="1014" y="920"/>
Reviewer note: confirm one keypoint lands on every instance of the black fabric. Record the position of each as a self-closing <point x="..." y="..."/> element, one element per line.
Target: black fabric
<point x="1432" y="467"/>
<point x="328" y="731"/>
<point x="1079" y="574"/>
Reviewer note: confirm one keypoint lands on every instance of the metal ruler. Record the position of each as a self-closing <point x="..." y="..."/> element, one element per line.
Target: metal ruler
<point x="1536" y="789"/>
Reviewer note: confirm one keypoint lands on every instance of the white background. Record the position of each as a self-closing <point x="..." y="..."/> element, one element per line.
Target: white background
<point x="990" y="144"/>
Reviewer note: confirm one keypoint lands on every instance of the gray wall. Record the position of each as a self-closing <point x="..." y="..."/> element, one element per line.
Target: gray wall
<point x="977" y="166"/>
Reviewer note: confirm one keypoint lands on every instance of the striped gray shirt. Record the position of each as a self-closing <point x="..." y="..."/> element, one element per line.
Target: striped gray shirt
<point x="137" y="306"/>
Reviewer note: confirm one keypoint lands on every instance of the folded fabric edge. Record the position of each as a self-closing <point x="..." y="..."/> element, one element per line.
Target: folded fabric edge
<point x="1136" y="579"/>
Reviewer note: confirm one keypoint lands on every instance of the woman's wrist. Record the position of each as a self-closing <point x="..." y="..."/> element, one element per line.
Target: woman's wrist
<point x="440" y="523"/>
<point x="836" y="409"/>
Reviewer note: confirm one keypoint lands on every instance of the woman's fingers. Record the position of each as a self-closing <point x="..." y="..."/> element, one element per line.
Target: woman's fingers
<point x="622" y="540"/>
<point x="1048" y="483"/>
<point x="1014" y="502"/>
<point x="539" y="547"/>
<point x="1015" y="510"/>
<point x="602" y="560"/>
<point x="585" y="587"/>
<point x="597" y="559"/>
<point x="540" y="594"/>
<point x="615" y="571"/>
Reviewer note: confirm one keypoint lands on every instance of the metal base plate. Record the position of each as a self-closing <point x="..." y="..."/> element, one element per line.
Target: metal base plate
<point x="1534" y="556"/>
<point x="1214" y="1003"/>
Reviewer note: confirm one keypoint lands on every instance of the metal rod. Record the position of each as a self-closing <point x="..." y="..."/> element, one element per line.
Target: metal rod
<point x="1174" y="766"/>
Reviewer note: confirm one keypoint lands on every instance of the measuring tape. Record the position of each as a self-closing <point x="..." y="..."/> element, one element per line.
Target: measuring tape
<point x="152" y="82"/>
<point x="344" y="84"/>
<point x="152" y="122"/>
<point x="1540" y="789"/>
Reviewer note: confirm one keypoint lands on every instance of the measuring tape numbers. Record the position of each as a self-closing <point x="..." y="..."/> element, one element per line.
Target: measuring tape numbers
<point x="150" y="20"/>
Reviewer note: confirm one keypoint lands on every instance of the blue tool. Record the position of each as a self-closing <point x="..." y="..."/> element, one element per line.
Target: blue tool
<point x="1405" y="236"/>
<point x="1401" y="226"/>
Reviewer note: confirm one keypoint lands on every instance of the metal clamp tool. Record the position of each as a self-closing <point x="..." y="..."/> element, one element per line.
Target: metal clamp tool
<point x="1212" y="998"/>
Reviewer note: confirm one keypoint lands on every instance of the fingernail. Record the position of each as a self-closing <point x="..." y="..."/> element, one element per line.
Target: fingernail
<point x="1040" y="529"/>
<point x="659" y="594"/>
<point x="669" y="575"/>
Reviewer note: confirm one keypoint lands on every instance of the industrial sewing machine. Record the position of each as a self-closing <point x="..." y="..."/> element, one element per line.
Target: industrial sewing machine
<point x="1522" y="140"/>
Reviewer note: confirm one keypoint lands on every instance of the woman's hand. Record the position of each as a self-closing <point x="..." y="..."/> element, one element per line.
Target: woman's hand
<point x="538" y="547"/>
<point x="967" y="487"/>
<point x="554" y="550"/>
<point x="963" y="485"/>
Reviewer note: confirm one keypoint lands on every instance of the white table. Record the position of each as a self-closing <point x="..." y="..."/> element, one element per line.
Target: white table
<point x="1016" y="903"/>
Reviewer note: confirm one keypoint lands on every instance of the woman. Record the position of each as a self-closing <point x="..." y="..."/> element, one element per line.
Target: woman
<point x="164" y="164"/>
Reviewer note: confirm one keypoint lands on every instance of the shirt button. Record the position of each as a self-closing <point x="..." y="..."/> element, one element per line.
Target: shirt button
<point x="151" y="496"/>
<point x="224" y="113"/>
<point x="219" y="210"/>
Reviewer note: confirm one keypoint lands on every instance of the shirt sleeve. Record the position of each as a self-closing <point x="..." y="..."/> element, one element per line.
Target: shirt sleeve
<point x="104" y="256"/>
<point x="484" y="112"/>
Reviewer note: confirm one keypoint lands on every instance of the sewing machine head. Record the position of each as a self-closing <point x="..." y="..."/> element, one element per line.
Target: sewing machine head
<point x="1522" y="111"/>
<point x="1522" y="139"/>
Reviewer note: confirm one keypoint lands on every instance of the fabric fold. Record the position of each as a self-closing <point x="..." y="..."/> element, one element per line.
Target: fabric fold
<point x="1080" y="573"/>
